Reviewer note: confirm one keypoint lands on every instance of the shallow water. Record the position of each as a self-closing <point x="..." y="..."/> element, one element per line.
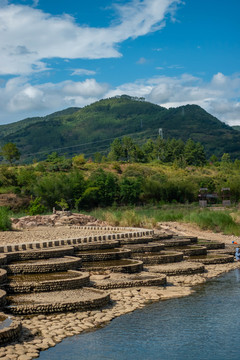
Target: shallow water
<point x="203" y="326"/>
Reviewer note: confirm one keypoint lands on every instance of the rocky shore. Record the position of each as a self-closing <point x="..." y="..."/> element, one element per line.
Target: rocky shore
<point x="41" y="332"/>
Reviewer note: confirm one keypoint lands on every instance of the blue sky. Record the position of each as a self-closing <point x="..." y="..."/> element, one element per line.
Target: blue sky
<point x="57" y="54"/>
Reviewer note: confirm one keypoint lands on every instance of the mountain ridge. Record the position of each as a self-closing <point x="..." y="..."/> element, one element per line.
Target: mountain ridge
<point x="73" y="130"/>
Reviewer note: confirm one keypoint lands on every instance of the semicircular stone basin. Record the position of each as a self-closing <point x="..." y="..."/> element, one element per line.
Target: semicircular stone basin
<point x="160" y="237"/>
<point x="57" y="301"/>
<point x="159" y="258"/>
<point x="10" y="328"/>
<point x="142" y="240"/>
<point x="114" y="281"/>
<point x="96" y="246"/>
<point x="211" y="245"/>
<point x="44" y="265"/>
<point x="40" y="282"/>
<point x="192" y="250"/>
<point x="123" y="265"/>
<point x="212" y="259"/>
<point x="176" y="242"/>
<point x="145" y="248"/>
<point x="103" y="255"/>
<point x="175" y="269"/>
<point x="193" y="239"/>
<point x="56" y="252"/>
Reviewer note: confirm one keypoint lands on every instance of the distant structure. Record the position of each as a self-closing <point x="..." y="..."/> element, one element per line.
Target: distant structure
<point x="202" y="196"/>
<point x="226" y="196"/>
<point x="160" y="132"/>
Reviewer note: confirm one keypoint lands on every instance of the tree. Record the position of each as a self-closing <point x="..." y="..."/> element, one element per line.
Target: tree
<point x="194" y="153"/>
<point x="116" y="152"/>
<point x="10" y="152"/>
<point x="148" y="150"/>
<point x="226" y="162"/>
<point x="63" y="204"/>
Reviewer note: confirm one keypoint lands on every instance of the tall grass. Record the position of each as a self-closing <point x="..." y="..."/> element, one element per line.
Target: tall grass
<point x="5" y="222"/>
<point x="139" y="217"/>
<point x="217" y="221"/>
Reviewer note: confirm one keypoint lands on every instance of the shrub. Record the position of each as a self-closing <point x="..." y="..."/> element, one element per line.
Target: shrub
<point x="63" y="204"/>
<point x="78" y="160"/>
<point x="36" y="207"/>
<point x="5" y="222"/>
<point x="130" y="218"/>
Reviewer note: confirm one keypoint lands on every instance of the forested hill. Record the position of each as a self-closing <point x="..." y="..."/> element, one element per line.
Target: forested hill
<point x="92" y="128"/>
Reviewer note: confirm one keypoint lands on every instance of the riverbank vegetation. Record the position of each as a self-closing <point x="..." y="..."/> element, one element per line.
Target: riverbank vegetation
<point x="225" y="221"/>
<point x="136" y="179"/>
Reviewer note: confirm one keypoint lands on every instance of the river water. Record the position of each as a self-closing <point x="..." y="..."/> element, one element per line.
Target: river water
<point x="203" y="326"/>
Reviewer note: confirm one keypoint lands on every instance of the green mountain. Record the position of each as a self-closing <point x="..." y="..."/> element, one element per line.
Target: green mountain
<point x="94" y="127"/>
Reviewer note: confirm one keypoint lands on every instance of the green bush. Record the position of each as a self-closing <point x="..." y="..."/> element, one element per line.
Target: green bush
<point x="36" y="207"/>
<point x="5" y="222"/>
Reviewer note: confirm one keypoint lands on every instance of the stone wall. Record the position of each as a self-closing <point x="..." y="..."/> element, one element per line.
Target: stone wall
<point x="97" y="246"/>
<point x="135" y="240"/>
<point x="105" y="256"/>
<point x="166" y="257"/>
<point x="101" y="301"/>
<point x="194" y="251"/>
<point x="40" y="254"/>
<point x="49" y="285"/>
<point x="161" y="280"/>
<point x="144" y="248"/>
<point x="211" y="260"/>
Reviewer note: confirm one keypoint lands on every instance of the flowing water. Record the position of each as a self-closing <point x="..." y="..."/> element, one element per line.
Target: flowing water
<point x="203" y="326"/>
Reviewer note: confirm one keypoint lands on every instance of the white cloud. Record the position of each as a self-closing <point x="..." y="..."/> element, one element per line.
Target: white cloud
<point x="83" y="72"/>
<point x="28" y="35"/>
<point x="20" y="99"/>
<point x="142" y="61"/>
